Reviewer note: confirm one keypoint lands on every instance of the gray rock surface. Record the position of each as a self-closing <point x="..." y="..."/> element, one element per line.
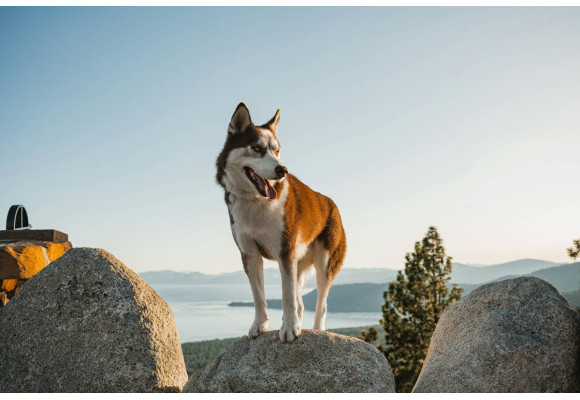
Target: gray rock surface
<point x="317" y="361"/>
<point x="517" y="335"/>
<point x="87" y="323"/>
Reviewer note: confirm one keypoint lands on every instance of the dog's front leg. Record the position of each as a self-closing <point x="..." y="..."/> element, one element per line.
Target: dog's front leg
<point x="291" y="328"/>
<point x="253" y="265"/>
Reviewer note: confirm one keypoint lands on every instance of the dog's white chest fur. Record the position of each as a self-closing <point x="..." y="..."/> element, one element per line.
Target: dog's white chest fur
<point x="258" y="221"/>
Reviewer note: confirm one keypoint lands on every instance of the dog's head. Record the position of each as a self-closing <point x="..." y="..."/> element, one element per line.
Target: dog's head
<point x="249" y="163"/>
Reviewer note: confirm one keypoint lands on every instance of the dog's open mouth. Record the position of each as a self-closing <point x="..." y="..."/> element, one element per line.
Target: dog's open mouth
<point x="262" y="185"/>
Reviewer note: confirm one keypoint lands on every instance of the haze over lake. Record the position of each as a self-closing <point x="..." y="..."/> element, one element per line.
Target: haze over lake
<point x="200" y="301"/>
<point x="202" y="311"/>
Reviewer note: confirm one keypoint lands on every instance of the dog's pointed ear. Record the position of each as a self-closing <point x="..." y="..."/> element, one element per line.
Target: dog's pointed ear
<point x="240" y="120"/>
<point x="273" y="123"/>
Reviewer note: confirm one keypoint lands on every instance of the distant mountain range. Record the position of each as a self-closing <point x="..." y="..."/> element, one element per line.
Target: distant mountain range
<point x="368" y="297"/>
<point x="461" y="273"/>
<point x="271" y="276"/>
<point x="564" y="277"/>
<point x="356" y="290"/>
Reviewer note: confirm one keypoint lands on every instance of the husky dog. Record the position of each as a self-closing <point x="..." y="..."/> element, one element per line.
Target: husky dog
<point x="274" y="215"/>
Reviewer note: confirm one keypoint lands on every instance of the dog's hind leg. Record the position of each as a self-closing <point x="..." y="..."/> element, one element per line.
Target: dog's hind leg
<point x="254" y="267"/>
<point x="322" y="286"/>
<point x="328" y="258"/>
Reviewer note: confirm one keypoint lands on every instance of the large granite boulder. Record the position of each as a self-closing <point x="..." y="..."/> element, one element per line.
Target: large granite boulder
<point x="87" y="323"/>
<point x="517" y="335"/>
<point x="317" y="361"/>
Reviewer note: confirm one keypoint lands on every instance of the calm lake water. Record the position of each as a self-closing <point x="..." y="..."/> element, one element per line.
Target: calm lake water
<point x="202" y="311"/>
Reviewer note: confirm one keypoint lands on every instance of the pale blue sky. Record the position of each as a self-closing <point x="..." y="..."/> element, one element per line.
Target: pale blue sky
<point x="463" y="118"/>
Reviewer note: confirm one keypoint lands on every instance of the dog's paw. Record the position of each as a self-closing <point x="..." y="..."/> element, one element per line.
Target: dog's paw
<point x="258" y="328"/>
<point x="290" y="331"/>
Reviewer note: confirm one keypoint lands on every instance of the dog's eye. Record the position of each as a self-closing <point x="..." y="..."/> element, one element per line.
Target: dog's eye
<point x="257" y="149"/>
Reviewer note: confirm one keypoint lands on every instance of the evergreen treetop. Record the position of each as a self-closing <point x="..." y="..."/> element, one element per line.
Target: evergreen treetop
<point x="413" y="305"/>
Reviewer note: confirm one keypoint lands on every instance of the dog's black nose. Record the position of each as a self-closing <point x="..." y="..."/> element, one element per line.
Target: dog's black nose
<point x="281" y="171"/>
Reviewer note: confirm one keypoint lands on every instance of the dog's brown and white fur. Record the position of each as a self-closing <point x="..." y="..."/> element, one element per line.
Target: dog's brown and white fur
<point x="274" y="215"/>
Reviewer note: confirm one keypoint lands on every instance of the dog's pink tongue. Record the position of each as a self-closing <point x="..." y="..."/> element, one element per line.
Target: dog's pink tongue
<point x="266" y="189"/>
<point x="270" y="191"/>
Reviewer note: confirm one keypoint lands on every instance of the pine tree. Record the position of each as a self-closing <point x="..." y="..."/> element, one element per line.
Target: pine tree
<point x="574" y="251"/>
<point x="371" y="336"/>
<point x="413" y="305"/>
